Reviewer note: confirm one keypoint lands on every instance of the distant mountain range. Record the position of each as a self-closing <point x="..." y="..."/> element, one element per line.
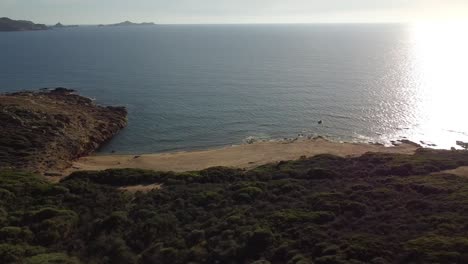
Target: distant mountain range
<point x="7" y="24"/>
<point x="128" y="23"/>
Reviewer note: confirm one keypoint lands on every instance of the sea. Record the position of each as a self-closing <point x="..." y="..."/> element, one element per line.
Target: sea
<point x="192" y="87"/>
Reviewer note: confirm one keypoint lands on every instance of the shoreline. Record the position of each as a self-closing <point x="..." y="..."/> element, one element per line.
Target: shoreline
<point x="245" y="156"/>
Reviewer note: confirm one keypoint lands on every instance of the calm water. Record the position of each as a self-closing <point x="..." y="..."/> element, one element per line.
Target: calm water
<point x="190" y="87"/>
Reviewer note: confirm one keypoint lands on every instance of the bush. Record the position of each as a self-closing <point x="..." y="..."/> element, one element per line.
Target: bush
<point x="10" y="253"/>
<point x="321" y="174"/>
<point x="291" y="216"/>
<point x="54" y="258"/>
<point x="259" y="241"/>
<point x="433" y="248"/>
<point x="51" y="224"/>
<point x="14" y="234"/>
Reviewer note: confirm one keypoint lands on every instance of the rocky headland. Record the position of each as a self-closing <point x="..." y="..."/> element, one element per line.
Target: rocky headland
<point x="7" y="24"/>
<point x="44" y="131"/>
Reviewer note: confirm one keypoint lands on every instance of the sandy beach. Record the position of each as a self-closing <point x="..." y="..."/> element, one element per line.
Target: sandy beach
<point x="242" y="156"/>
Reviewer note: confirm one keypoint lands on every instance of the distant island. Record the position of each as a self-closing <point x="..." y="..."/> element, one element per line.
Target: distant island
<point x="128" y="23"/>
<point x="60" y="25"/>
<point x="7" y="24"/>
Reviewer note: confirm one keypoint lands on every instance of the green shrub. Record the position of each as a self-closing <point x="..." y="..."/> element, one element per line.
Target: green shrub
<point x="330" y="260"/>
<point x="198" y="253"/>
<point x="6" y="196"/>
<point x="51" y="224"/>
<point x="121" y="177"/>
<point x="441" y="249"/>
<point x="247" y="194"/>
<point x="300" y="259"/>
<point x="16" y="253"/>
<point x="252" y="191"/>
<point x="53" y="258"/>
<point x="261" y="261"/>
<point x="10" y="253"/>
<point x="116" y="221"/>
<point x="14" y="234"/>
<point x="291" y="216"/>
<point x="206" y="198"/>
<point x="355" y="208"/>
<point x="3" y="216"/>
<point x="218" y="174"/>
<point x="259" y="241"/>
<point x="321" y="174"/>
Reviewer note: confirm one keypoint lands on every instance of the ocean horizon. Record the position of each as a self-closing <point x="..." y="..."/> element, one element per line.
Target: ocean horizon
<point x="202" y="86"/>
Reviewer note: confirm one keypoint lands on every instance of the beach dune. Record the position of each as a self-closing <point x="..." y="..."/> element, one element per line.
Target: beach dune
<point x="242" y="156"/>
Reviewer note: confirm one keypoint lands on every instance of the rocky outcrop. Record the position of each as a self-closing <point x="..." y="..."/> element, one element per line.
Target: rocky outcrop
<point x="7" y="24"/>
<point x="47" y="129"/>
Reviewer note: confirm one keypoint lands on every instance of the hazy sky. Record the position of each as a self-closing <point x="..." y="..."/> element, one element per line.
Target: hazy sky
<point x="233" y="11"/>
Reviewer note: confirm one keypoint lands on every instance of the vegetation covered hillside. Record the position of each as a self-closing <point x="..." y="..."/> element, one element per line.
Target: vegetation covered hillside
<point x="378" y="208"/>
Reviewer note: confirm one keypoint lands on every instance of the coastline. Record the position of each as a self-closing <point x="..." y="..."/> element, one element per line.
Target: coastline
<point x="245" y="156"/>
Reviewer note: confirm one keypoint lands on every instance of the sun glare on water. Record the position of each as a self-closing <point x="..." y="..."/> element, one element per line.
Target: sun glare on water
<point x="439" y="75"/>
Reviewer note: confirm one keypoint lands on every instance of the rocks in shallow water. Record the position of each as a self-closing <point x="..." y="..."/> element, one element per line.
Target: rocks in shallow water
<point x="62" y="90"/>
<point x="428" y="143"/>
<point x="250" y="140"/>
<point x="409" y="142"/>
<point x="47" y="129"/>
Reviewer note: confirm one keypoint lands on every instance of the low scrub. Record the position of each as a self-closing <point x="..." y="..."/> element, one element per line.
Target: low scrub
<point x="378" y="208"/>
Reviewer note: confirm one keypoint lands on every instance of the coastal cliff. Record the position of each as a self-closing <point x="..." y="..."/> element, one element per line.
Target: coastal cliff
<point x="45" y="130"/>
<point x="7" y="24"/>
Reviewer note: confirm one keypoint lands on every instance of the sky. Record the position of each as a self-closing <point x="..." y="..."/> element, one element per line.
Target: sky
<point x="233" y="11"/>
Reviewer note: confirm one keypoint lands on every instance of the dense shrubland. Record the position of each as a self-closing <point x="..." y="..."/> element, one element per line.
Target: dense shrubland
<point x="378" y="208"/>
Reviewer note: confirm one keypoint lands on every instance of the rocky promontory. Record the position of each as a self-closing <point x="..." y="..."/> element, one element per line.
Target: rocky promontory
<point x="45" y="130"/>
<point x="7" y="24"/>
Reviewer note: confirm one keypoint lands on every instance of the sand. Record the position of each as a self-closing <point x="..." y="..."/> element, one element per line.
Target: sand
<point x="242" y="156"/>
<point x="460" y="171"/>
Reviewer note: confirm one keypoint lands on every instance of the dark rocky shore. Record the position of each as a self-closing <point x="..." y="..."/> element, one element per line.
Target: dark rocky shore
<point x="45" y="130"/>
